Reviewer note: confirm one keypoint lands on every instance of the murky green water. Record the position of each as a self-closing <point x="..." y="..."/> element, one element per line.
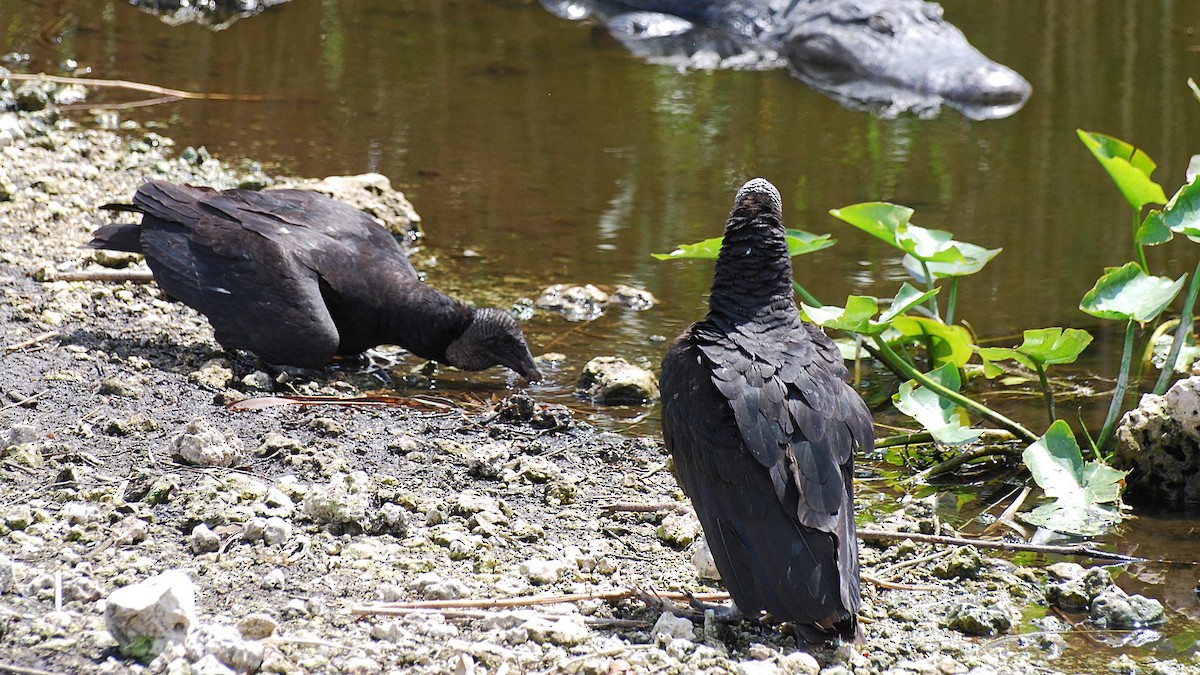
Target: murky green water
<point x="542" y="145"/>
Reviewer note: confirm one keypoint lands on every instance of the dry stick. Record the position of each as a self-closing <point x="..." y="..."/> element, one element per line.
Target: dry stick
<point x="527" y="601"/>
<point x="1072" y="549"/>
<point x="21" y="670"/>
<point x="25" y="400"/>
<point x="135" y="276"/>
<point x="896" y="585"/>
<point x="479" y="614"/>
<point x="31" y="341"/>
<point x="653" y="507"/>
<point x="136" y="86"/>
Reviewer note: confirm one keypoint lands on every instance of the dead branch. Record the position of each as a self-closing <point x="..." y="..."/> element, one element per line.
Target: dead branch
<point x="1070" y="549"/>
<point x="136" y="86"/>
<point x="386" y="608"/>
<point x="37" y="339"/>
<point x="112" y="276"/>
<point x="652" y="507"/>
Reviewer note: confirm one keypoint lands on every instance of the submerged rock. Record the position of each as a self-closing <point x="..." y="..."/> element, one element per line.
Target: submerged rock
<point x="1115" y="609"/>
<point x="1077" y="587"/>
<point x="575" y="303"/>
<point x="1158" y="442"/>
<point x="615" y="381"/>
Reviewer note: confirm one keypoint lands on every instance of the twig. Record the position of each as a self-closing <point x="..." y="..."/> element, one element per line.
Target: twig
<point x="480" y="614"/>
<point x="37" y="339"/>
<point x="653" y="507"/>
<point x="112" y="276"/>
<point x="912" y="562"/>
<point x="1071" y="549"/>
<point x="959" y="460"/>
<point x="896" y="586"/>
<point x="22" y="670"/>
<point x="527" y="601"/>
<point x="136" y="86"/>
<point x="1006" y="517"/>
<point x="23" y="400"/>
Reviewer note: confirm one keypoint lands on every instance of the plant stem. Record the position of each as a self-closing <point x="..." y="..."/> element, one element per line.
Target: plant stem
<point x="920" y="437"/>
<point x="933" y="306"/>
<point x="1181" y="333"/>
<point x="951" y="395"/>
<point x="1141" y="250"/>
<point x="1114" y="408"/>
<point x="952" y="300"/>
<point x="1046" y="391"/>
<point x="805" y="295"/>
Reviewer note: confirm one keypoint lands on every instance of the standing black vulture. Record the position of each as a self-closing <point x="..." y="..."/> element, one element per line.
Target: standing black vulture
<point x="763" y="429"/>
<point x="297" y="277"/>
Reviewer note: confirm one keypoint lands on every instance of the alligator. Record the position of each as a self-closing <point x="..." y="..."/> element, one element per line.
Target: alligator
<point x="888" y="56"/>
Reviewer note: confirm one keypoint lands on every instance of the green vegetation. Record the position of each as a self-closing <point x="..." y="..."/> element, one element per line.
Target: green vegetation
<point x="915" y="336"/>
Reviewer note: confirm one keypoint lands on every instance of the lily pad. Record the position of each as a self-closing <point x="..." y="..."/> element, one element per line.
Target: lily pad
<point x="1129" y="293"/>
<point x="948" y="422"/>
<point x="1042" y="347"/>
<point x="1086" y="496"/>
<point x="889" y="222"/>
<point x="1128" y="166"/>
<point x="974" y="258"/>
<point x="855" y="317"/>
<point x="951" y="344"/>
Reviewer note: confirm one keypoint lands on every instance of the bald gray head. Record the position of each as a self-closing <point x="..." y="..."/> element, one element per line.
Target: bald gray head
<point x="756" y="197"/>
<point x="493" y="339"/>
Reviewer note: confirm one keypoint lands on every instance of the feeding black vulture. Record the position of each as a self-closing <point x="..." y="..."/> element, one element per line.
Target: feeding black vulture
<point x="297" y="277"/>
<point x="763" y="429"/>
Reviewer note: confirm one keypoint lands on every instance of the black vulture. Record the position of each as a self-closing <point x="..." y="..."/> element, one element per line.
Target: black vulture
<point x="763" y="428"/>
<point x="297" y="278"/>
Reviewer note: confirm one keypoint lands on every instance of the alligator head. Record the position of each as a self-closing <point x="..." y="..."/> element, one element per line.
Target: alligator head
<point x="904" y="43"/>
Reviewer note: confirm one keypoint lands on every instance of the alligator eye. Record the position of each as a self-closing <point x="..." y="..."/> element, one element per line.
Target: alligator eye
<point x="880" y="24"/>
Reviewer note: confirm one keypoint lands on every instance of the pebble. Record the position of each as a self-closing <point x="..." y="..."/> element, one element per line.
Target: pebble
<point x="204" y="540"/>
<point x="199" y="444"/>
<point x="542" y="572"/>
<point x="674" y="627"/>
<point x="678" y="529"/>
<point x="272" y="580"/>
<point x="257" y="626"/>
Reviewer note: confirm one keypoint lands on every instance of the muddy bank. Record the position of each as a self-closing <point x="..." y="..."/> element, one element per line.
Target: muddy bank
<point x="327" y="509"/>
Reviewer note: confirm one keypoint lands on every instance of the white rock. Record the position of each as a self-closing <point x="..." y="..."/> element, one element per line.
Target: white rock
<point x="273" y="579"/>
<point x="210" y="665"/>
<point x="145" y="617"/>
<point x="199" y="444"/>
<point x="799" y="663"/>
<point x="567" y="631"/>
<point x="542" y="572"/>
<point x="227" y="645"/>
<point x="702" y="559"/>
<point x="758" y="668"/>
<point x="278" y="531"/>
<point x="257" y="626"/>
<point x="343" y="501"/>
<point x="675" y="627"/>
<point x="203" y="539"/>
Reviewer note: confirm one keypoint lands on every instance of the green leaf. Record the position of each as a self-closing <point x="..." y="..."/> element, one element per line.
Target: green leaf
<point x="974" y="258"/>
<point x="906" y="298"/>
<point x="701" y="250"/>
<point x="1051" y="346"/>
<point x="1128" y="166"/>
<point x="1128" y="293"/>
<point x="1181" y="215"/>
<point x="928" y="245"/>
<point x="855" y="317"/>
<point x="799" y="243"/>
<point x="878" y="219"/>
<point x="947" y="422"/>
<point x="992" y="354"/>
<point x="1086" y="496"/>
<point x="952" y="344"/>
